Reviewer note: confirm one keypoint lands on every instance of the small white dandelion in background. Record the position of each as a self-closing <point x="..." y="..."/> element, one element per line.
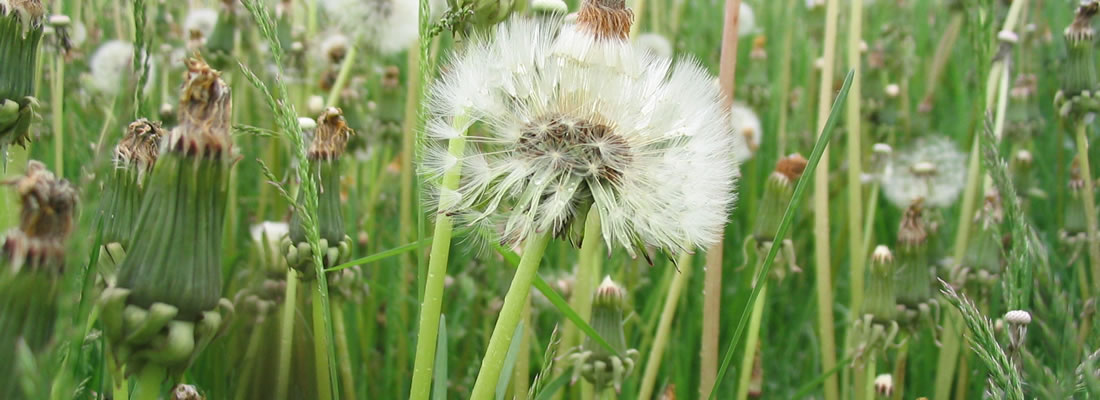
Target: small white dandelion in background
<point x="931" y="168"/>
<point x="201" y="22"/>
<point x="112" y="65"/>
<point x="564" y="126"/>
<point x="387" y="26"/>
<point x="747" y="21"/>
<point x="747" y="125"/>
<point x="655" y="43"/>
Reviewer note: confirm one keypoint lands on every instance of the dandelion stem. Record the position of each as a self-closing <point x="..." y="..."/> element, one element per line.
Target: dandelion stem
<point x="286" y="334"/>
<point x="320" y="345"/>
<point x="752" y="340"/>
<point x="660" y="341"/>
<point x="588" y="275"/>
<point x="784" y="83"/>
<point x="342" y="77"/>
<point x="149" y="382"/>
<point x="249" y="361"/>
<point x="855" y="161"/>
<point x="822" y="271"/>
<point x="432" y="303"/>
<point x="343" y="354"/>
<point x="1089" y="199"/>
<point x="899" y="369"/>
<point x="712" y="284"/>
<point x="120" y="387"/>
<point x="57" y="109"/>
<point x="489" y="374"/>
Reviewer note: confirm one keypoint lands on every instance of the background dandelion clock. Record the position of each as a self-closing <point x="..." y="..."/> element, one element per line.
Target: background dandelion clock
<point x="112" y="66"/>
<point x="932" y="169"/>
<point x="388" y="26"/>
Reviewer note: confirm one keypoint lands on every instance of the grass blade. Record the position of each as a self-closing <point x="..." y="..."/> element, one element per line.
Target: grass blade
<point x="510" y="362"/>
<point x="785" y="225"/>
<point x="439" y="381"/>
<point x="553" y="387"/>
<point x="383" y="255"/>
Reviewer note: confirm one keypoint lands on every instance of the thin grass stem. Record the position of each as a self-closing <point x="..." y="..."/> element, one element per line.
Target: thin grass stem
<point x="286" y="335"/>
<point x="822" y="247"/>
<point x="320" y="345"/>
<point x="660" y="340"/>
<point x="751" y="342"/>
<point x="1088" y="197"/>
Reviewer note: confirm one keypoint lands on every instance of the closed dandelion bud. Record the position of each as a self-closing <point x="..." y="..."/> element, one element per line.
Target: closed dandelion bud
<point x="31" y="262"/>
<point x="879" y="300"/>
<point x="21" y="26"/>
<point x="913" y="282"/>
<point x="484" y="13"/>
<point x="1074" y="221"/>
<point x="329" y="141"/>
<point x="134" y="157"/>
<point x="1024" y="119"/>
<point x="757" y="87"/>
<point x="778" y="190"/>
<point x="186" y="392"/>
<point x="983" y="253"/>
<point x="603" y="368"/>
<point x="1079" y="78"/>
<point x="167" y="305"/>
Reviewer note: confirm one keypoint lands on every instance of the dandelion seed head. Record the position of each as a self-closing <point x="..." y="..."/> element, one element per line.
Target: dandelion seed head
<point x="112" y="65"/>
<point x="389" y="26"/>
<point x="932" y="169"/>
<point x="201" y="22"/>
<point x="747" y="125"/>
<point x="334" y="47"/>
<point x="747" y="21"/>
<point x="655" y="43"/>
<point x="646" y="143"/>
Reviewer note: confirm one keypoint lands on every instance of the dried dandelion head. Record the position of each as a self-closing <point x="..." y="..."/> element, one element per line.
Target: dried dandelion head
<point x="204" y="115"/>
<point x="45" y="221"/>
<point x="139" y="147"/>
<point x="931" y="169"/>
<point x="331" y="136"/>
<point x="564" y="126"/>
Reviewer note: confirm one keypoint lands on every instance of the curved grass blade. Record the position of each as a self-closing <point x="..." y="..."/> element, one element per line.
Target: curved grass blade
<point x="383" y="255"/>
<point x="785" y="224"/>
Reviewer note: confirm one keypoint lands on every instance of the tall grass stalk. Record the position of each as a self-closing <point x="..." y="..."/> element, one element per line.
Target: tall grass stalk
<point x="712" y="283"/>
<point x="751" y="342"/>
<point x="782" y="103"/>
<point x="664" y="326"/>
<point x="855" y="161"/>
<point x="57" y="109"/>
<point x="587" y="278"/>
<point x="1089" y="199"/>
<point x="286" y="334"/>
<point x="432" y="304"/>
<point x="343" y="352"/>
<point x="509" y="317"/>
<point x="822" y="270"/>
<point x="342" y="77"/>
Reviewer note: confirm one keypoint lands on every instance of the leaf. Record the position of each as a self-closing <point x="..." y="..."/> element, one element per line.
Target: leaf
<point x="439" y="380"/>
<point x="510" y="362"/>
<point x="383" y="255"/>
<point x="785" y="225"/>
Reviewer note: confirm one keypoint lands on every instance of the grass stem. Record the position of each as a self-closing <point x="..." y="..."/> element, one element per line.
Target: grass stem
<point x="286" y="334"/>
<point x="149" y="382"/>
<point x="343" y="352"/>
<point x="855" y="160"/>
<point x="342" y="76"/>
<point x="660" y="341"/>
<point x="751" y="341"/>
<point x="320" y="345"/>
<point x="1089" y="199"/>
<point x="822" y="247"/>
<point x="510" y="313"/>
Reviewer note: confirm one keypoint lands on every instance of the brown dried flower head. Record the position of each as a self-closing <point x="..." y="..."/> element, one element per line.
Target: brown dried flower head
<point x="331" y="136"/>
<point x="912" y="231"/>
<point x="759" y="50"/>
<point x="791" y="166"/>
<point x="1081" y="29"/>
<point x="204" y="114"/>
<point x="45" y="221"/>
<point x="140" y="146"/>
<point x="605" y="19"/>
<point x="30" y="12"/>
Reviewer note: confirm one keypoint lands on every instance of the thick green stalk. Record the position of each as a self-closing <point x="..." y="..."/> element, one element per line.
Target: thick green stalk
<point x="508" y="319"/>
<point x="120" y="386"/>
<point x="286" y="334"/>
<point x="751" y="342"/>
<point x="588" y="275"/>
<point x="343" y="354"/>
<point x="149" y="383"/>
<point x="1089" y="199"/>
<point x="432" y="304"/>
<point x="855" y="161"/>
<point x="822" y="270"/>
<point x="320" y="346"/>
<point x="249" y="361"/>
<point x="57" y="110"/>
<point x="660" y="341"/>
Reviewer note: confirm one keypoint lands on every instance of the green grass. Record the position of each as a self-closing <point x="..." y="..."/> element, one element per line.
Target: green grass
<point x="1042" y="274"/>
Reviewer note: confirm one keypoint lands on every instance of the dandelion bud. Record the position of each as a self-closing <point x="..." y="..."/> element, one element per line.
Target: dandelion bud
<point x="550" y="7"/>
<point x="167" y="305"/>
<point x="777" y="194"/>
<point x="20" y="33"/>
<point x="186" y="392"/>
<point x="913" y="281"/>
<point x="879" y="300"/>
<point x="599" y="366"/>
<point x="892" y="90"/>
<point x="485" y="13"/>
<point x="134" y="157"/>
<point x="884" y="385"/>
<point x="1074" y="223"/>
<point x="1079" y="78"/>
<point x="329" y="141"/>
<point x="31" y="261"/>
<point x="747" y="125"/>
<point x="985" y="248"/>
<point x="1018" y="317"/>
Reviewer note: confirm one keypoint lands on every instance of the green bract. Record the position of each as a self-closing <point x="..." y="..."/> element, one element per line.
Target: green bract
<point x="20" y="33"/>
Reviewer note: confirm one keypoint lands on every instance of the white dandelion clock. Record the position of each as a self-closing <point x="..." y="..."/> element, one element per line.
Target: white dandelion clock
<point x="746" y="124"/>
<point x="557" y="130"/>
<point x="932" y="169"/>
<point x="388" y="26"/>
<point x="200" y="21"/>
<point x="655" y="43"/>
<point x="112" y="65"/>
<point x="747" y="21"/>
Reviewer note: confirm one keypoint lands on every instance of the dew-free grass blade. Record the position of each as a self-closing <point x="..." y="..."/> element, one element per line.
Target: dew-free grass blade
<point x="439" y="381"/>
<point x="396" y="251"/>
<point x="510" y="362"/>
<point x="558" y="302"/>
<point x="785" y="225"/>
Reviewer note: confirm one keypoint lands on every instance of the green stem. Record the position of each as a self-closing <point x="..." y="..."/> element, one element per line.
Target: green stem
<point x="432" y="303"/>
<point x="58" y="111"/>
<point x="784" y="83"/>
<point x="859" y="391"/>
<point x="899" y="370"/>
<point x="320" y="346"/>
<point x="751" y="342"/>
<point x="342" y="77"/>
<point x="1089" y="199"/>
<point x="149" y="382"/>
<point x="949" y="354"/>
<point x="588" y="275"/>
<point x="120" y="386"/>
<point x="343" y="355"/>
<point x="286" y="334"/>
<point x="660" y="341"/>
<point x="855" y="161"/>
<point x="869" y="220"/>
<point x="487" y="377"/>
<point x="249" y="362"/>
